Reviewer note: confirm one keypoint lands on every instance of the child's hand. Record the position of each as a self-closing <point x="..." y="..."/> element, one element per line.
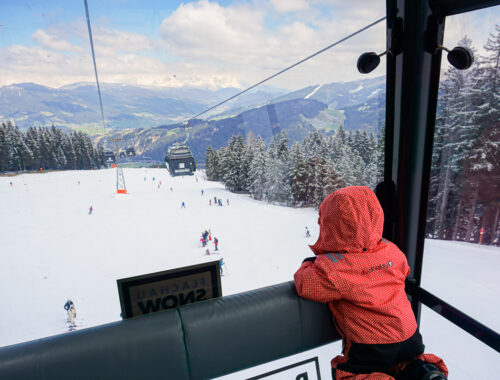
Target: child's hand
<point x="311" y="259"/>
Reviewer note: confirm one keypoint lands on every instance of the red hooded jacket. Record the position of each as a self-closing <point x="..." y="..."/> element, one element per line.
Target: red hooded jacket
<point x="362" y="278"/>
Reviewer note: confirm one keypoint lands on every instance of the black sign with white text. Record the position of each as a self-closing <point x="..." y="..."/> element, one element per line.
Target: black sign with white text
<point x="169" y="289"/>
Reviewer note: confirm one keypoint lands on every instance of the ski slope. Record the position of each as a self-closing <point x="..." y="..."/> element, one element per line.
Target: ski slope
<point x="51" y="249"/>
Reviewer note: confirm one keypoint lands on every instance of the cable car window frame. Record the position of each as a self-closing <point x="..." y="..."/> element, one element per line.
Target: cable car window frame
<point x="413" y="74"/>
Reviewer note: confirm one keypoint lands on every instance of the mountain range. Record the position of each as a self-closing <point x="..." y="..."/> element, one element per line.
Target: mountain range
<point x="150" y="119"/>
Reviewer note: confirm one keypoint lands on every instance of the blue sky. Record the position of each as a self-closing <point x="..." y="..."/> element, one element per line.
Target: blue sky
<point x="199" y="43"/>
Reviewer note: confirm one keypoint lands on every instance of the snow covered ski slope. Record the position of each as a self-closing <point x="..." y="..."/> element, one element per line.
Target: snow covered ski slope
<point x="51" y="249"/>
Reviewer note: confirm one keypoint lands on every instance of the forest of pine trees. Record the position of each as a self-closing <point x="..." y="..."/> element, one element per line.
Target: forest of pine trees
<point x="302" y="175"/>
<point x="464" y="192"/>
<point x="46" y="148"/>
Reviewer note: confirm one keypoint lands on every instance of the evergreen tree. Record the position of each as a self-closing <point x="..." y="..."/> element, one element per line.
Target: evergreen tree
<point x="336" y="145"/>
<point x="209" y="164"/>
<point x="4" y="151"/>
<point x="217" y="165"/>
<point x="233" y="164"/>
<point x="345" y="165"/>
<point x="248" y="155"/>
<point x="70" y="153"/>
<point x="298" y="176"/>
<point x="32" y="143"/>
<point x="489" y="103"/>
<point x="257" y="170"/>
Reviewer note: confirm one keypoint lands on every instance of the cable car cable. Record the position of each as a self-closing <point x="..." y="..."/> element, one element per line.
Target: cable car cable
<point x="93" y="59"/>
<point x="290" y="67"/>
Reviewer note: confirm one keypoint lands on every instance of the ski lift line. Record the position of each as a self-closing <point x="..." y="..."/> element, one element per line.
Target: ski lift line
<point x="290" y="67"/>
<point x="95" y="66"/>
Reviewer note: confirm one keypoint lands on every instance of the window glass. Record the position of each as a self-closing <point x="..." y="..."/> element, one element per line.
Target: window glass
<point x="264" y="160"/>
<point x="462" y="249"/>
<point x="465" y="356"/>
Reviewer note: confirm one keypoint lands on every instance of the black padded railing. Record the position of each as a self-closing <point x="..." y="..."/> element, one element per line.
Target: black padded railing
<point x="198" y="341"/>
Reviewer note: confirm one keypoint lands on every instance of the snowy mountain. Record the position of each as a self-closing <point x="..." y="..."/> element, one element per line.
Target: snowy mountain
<point x="125" y="106"/>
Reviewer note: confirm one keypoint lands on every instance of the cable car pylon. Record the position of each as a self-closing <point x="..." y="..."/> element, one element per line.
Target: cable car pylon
<point x="121" y="188"/>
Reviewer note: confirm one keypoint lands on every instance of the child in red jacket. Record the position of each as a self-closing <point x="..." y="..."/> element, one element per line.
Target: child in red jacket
<point x="362" y="278"/>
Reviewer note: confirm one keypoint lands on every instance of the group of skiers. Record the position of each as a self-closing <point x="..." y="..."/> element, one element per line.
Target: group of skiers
<point x="217" y="201"/>
<point x="206" y="236"/>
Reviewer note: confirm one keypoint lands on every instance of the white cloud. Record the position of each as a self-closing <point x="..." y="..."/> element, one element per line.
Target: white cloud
<point x="109" y="40"/>
<point x="208" y="31"/>
<point x="235" y="38"/>
<point x="50" y="40"/>
<point x="204" y="44"/>
<point x="285" y="6"/>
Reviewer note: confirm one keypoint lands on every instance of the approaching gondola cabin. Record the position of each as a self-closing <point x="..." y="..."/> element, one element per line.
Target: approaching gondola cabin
<point x="130" y="151"/>
<point x="109" y="157"/>
<point x="180" y="160"/>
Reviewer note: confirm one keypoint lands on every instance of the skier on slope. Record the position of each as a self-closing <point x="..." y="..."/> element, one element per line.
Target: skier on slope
<point x="362" y="278"/>
<point x="91" y="209"/>
<point x="216" y="243"/>
<point x="221" y="263"/>
<point x="183" y="205"/>
<point x="71" y="310"/>
<point x="205" y="235"/>
<point x="68" y="304"/>
<point x="308" y="234"/>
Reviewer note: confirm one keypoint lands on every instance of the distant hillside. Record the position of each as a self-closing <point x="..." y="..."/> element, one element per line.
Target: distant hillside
<point x="76" y="106"/>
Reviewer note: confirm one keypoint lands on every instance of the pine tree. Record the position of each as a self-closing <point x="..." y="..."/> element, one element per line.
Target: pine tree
<point x="257" y="170"/>
<point x="217" y="165"/>
<point x="336" y="145"/>
<point x="248" y="156"/>
<point x="345" y="165"/>
<point x="70" y="153"/>
<point x="209" y="164"/>
<point x="298" y="176"/>
<point x="360" y="145"/>
<point x="4" y="152"/>
<point x="489" y="104"/>
<point x="233" y="163"/>
<point x="331" y="183"/>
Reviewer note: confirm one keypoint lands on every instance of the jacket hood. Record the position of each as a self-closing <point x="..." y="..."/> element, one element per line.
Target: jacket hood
<point x="351" y="220"/>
